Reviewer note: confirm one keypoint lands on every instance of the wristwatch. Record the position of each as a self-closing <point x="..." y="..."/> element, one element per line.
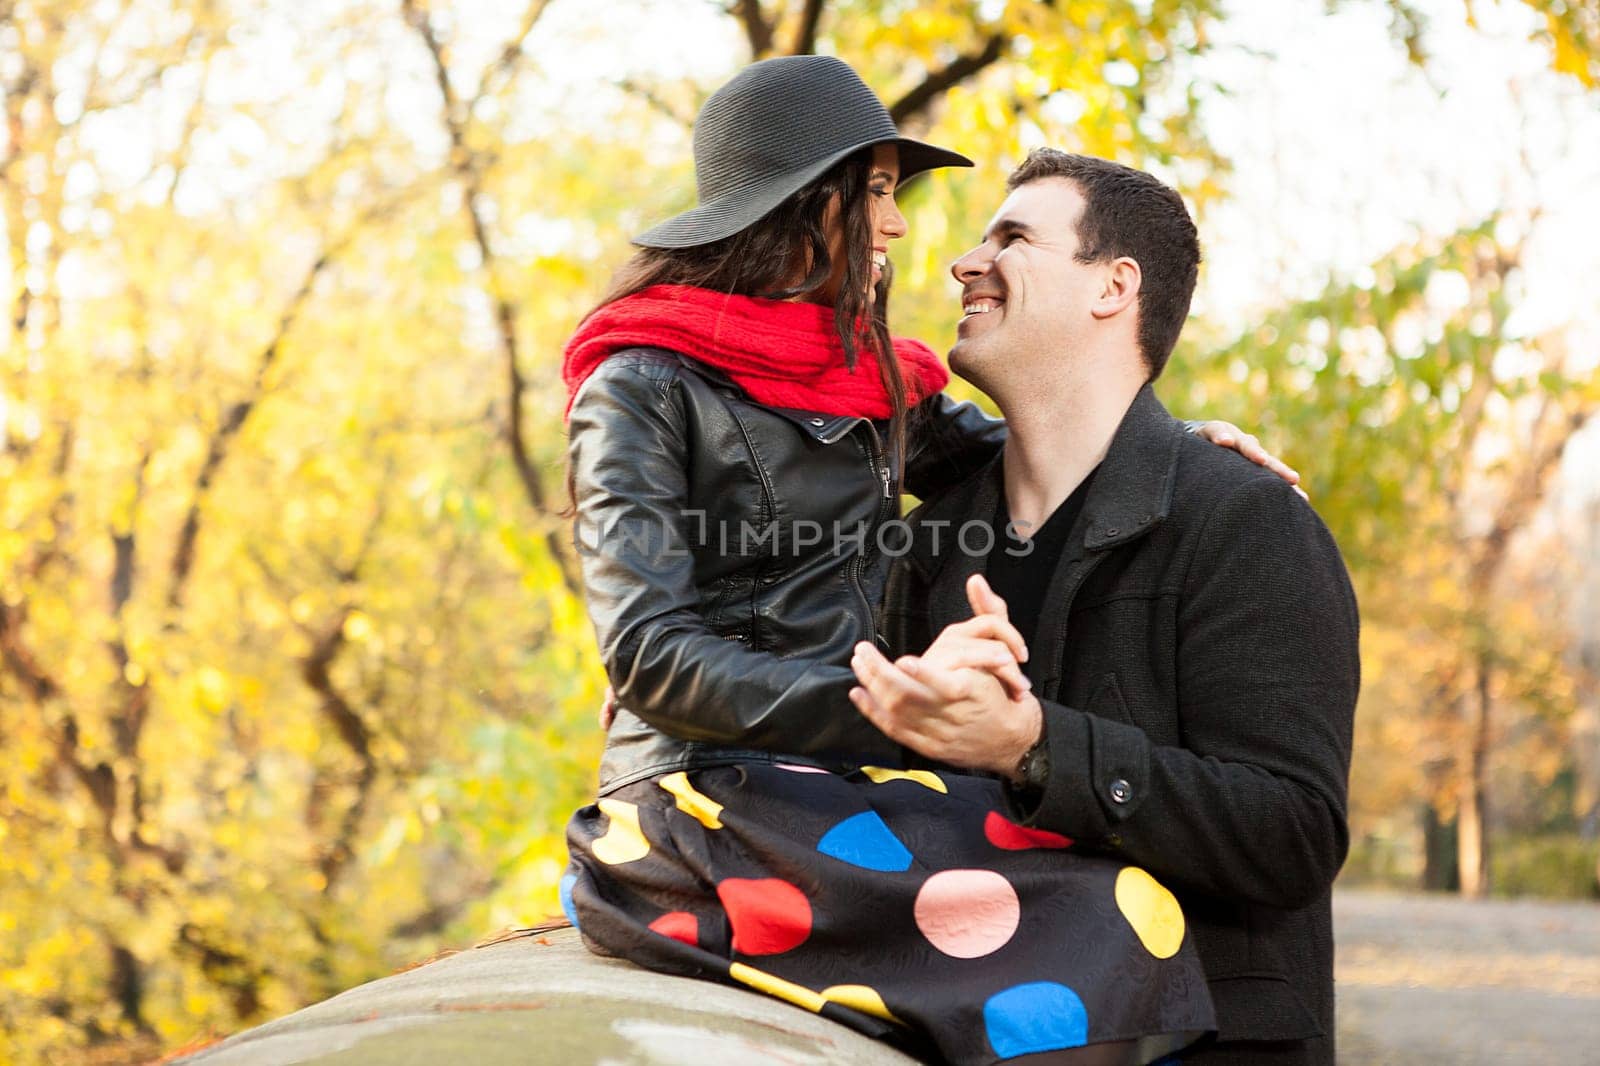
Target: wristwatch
<point x="1033" y="771"/>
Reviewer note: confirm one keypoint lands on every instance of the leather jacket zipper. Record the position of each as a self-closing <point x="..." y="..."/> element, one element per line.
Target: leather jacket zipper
<point x="873" y="449"/>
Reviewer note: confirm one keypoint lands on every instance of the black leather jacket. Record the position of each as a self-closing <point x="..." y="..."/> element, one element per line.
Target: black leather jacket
<point x="732" y="559"/>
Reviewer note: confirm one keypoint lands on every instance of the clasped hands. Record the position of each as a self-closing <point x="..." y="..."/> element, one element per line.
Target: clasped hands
<point x="964" y="701"/>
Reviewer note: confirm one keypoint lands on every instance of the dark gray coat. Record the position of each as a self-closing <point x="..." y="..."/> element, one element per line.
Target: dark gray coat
<point x="1199" y="677"/>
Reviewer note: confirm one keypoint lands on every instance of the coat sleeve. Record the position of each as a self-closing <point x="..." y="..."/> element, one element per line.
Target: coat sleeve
<point x="1253" y="804"/>
<point x="905" y="623"/>
<point x="628" y="451"/>
<point x="947" y="440"/>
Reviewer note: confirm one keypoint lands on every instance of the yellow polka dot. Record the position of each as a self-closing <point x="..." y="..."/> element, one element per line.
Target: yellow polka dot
<point x="861" y="998"/>
<point x="623" y="841"/>
<point x="799" y="995"/>
<point x="1151" y="910"/>
<point x="693" y="802"/>
<point x="879" y="775"/>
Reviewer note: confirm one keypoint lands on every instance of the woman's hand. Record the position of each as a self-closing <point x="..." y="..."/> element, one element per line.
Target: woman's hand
<point x="1228" y="435"/>
<point x="987" y="641"/>
<point x="608" y="709"/>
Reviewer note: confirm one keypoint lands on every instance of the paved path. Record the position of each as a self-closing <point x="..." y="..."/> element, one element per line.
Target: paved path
<point x="1431" y="979"/>
<point x="1421" y="980"/>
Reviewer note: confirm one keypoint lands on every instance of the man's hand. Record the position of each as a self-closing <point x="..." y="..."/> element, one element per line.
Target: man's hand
<point x="986" y="641"/>
<point x="608" y="709"/>
<point x="961" y="717"/>
<point x="1229" y="435"/>
<point x="951" y="703"/>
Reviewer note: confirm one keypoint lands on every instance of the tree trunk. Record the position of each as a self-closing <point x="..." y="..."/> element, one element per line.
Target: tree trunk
<point x="1439" y="872"/>
<point x="127" y="985"/>
<point x="1472" y="838"/>
<point x="1586" y="667"/>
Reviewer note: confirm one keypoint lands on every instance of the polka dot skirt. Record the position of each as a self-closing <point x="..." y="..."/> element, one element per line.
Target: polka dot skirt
<point x="902" y="903"/>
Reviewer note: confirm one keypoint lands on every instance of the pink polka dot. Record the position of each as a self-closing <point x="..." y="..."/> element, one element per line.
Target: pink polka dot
<point x="679" y="925"/>
<point x="1004" y="833"/>
<point x="967" y="913"/>
<point x="768" y="916"/>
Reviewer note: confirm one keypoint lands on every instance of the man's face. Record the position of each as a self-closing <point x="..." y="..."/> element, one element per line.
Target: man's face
<point x="1025" y="296"/>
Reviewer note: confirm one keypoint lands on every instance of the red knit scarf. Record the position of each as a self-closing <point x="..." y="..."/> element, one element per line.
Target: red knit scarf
<point x="783" y="354"/>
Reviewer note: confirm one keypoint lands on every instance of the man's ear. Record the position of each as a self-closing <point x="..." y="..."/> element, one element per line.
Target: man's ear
<point x="1120" y="290"/>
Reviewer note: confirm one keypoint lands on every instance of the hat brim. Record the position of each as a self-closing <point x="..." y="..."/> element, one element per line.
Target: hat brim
<point x="728" y="215"/>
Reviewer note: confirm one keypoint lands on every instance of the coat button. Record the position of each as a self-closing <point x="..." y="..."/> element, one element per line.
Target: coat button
<point x="1111" y="532"/>
<point x="1121" y="791"/>
<point x="817" y="422"/>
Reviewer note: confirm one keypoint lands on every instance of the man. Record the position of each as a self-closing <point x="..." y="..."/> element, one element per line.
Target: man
<point x="1189" y="628"/>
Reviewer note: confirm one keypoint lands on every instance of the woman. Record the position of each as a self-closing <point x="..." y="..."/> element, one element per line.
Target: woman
<point x="741" y="425"/>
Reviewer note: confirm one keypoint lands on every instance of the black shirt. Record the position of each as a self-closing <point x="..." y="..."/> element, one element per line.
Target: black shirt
<point x="1020" y="575"/>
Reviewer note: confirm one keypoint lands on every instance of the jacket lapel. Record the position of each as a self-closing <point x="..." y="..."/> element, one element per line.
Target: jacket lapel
<point x="1131" y="495"/>
<point x="938" y="526"/>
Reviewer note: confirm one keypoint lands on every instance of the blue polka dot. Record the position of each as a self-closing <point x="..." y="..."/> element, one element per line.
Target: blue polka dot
<point x="567" y="881"/>
<point x="1041" y="1016"/>
<point x="863" y="840"/>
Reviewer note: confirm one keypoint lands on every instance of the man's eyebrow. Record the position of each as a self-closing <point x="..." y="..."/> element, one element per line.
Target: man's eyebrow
<point x="1007" y="227"/>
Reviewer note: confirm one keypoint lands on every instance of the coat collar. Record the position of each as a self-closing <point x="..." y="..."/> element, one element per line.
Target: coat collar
<point x="823" y="428"/>
<point x="1131" y="495"/>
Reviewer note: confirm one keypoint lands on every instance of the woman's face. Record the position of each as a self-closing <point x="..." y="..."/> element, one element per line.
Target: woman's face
<point x="887" y="223"/>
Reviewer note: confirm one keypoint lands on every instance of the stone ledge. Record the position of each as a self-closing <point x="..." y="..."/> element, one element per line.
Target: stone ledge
<point x="544" y="998"/>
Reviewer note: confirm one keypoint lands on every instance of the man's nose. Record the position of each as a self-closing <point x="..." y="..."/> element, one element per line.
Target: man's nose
<point x="975" y="264"/>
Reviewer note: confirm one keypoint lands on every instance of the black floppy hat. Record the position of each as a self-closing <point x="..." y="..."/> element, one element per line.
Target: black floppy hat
<point x="777" y="126"/>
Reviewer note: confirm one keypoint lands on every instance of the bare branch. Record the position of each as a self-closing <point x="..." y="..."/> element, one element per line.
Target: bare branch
<point x="914" y="103"/>
<point x="134" y="702"/>
<point x="805" y="34"/>
<point x="1528" y="489"/>
<point x="218" y="447"/>
<point x="757" y="28"/>
<point x="148" y="81"/>
<point x="178" y="158"/>
<point x="316" y="670"/>
<point x="241" y="976"/>
<point x="19" y="658"/>
<point x="468" y="169"/>
<point x="512" y="51"/>
<point x="655" y="100"/>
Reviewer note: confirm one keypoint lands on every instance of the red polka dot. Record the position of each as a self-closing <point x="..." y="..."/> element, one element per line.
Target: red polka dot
<point x="769" y="916"/>
<point x="1004" y="833"/>
<point x="679" y="925"/>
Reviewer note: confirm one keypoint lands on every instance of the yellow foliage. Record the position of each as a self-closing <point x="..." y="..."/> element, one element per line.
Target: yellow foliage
<point x="290" y="668"/>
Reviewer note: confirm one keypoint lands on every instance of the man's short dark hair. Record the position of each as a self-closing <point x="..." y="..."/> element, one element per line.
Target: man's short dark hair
<point x="1130" y="213"/>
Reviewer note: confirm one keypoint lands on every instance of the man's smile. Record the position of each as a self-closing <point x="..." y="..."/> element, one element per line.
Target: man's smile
<point x="975" y="304"/>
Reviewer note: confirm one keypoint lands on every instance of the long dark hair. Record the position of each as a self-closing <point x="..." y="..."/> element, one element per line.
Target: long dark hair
<point x="763" y="259"/>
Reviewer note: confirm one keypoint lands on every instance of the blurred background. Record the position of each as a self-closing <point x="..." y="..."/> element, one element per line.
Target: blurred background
<point x="296" y="684"/>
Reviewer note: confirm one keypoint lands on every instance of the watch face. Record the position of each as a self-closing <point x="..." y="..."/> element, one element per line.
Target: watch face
<point x="1036" y="767"/>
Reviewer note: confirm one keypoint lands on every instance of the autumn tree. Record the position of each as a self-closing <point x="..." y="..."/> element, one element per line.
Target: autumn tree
<point x="295" y="678"/>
